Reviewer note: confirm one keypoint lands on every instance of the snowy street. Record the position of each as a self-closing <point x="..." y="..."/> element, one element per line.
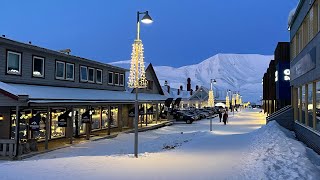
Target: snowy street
<point x="240" y="150"/>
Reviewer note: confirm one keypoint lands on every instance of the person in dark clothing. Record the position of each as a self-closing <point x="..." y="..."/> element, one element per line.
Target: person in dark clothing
<point x="220" y="115"/>
<point x="225" y="118"/>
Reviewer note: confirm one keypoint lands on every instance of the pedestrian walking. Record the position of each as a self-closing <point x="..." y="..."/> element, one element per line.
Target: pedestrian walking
<point x="220" y="114"/>
<point x="225" y="118"/>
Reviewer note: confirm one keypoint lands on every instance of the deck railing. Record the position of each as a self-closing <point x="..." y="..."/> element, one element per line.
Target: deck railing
<point x="7" y="148"/>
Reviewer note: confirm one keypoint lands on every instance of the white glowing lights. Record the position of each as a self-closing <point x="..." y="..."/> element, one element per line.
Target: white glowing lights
<point x="211" y="99"/>
<point x="227" y="102"/>
<point x="276" y="76"/>
<point x="137" y="77"/>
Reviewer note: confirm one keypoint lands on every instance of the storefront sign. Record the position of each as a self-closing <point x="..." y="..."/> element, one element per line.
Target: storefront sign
<point x="304" y="65"/>
<point x="85" y="117"/>
<point x="62" y="120"/>
<point x="34" y="122"/>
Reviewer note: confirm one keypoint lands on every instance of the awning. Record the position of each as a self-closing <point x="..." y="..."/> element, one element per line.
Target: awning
<point x="52" y="94"/>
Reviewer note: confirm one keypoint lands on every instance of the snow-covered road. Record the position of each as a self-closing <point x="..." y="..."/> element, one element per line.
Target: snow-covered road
<point x="240" y="150"/>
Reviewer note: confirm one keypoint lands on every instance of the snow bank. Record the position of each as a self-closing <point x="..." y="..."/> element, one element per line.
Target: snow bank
<point x="275" y="154"/>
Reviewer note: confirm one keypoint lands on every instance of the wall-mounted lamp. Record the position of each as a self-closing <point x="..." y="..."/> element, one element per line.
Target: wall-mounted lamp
<point x="1" y="117"/>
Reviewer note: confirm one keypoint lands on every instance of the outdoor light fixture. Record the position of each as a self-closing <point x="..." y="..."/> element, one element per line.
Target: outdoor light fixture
<point x="276" y="76"/>
<point x="137" y="77"/>
<point x="1" y="117"/>
<point x="286" y="74"/>
<point x="146" y="18"/>
<point x="211" y="95"/>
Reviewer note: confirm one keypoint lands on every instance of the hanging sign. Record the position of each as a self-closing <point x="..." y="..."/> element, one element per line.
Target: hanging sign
<point x="85" y="117"/>
<point x="34" y="122"/>
<point x="63" y="119"/>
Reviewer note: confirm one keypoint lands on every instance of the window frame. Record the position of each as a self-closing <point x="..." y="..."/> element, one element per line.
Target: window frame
<point x="43" y="66"/>
<point x="93" y="71"/>
<point x="64" y="70"/>
<point x="20" y="61"/>
<point x="121" y="80"/>
<point x="70" y="79"/>
<point x="99" y="82"/>
<point x="112" y="73"/>
<point x="81" y="80"/>
<point x="117" y="84"/>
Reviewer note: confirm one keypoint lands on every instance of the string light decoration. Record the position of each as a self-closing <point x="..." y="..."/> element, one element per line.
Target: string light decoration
<point x="137" y="77"/>
<point x="211" y="99"/>
<point x="227" y="102"/>
<point x="233" y="100"/>
<point x="237" y="98"/>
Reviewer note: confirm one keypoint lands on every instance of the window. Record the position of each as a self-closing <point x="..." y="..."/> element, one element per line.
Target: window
<point x="91" y="75"/>
<point x="121" y="79"/>
<point x="69" y="71"/>
<point x="38" y="67"/>
<point x="99" y="76"/>
<point x="116" y="79"/>
<point x="60" y="70"/>
<point x="317" y="123"/>
<point x="303" y="104"/>
<point x="83" y="73"/>
<point x="150" y="85"/>
<point x="13" y="63"/>
<point x="110" y="78"/>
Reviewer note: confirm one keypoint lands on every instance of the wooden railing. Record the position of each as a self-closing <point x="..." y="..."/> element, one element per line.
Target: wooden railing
<point x="7" y="148"/>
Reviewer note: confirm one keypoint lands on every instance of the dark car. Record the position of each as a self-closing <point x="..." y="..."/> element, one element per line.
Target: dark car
<point x="182" y="116"/>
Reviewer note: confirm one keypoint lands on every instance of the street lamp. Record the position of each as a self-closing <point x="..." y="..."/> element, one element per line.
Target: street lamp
<point x="137" y="77"/>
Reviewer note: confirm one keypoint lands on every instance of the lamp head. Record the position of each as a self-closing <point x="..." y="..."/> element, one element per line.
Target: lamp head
<point x="146" y="18"/>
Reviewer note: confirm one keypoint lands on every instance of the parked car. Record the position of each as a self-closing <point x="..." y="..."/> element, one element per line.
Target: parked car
<point x="182" y="116"/>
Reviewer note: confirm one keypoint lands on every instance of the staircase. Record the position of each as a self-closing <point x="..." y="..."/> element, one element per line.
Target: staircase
<point x="283" y="116"/>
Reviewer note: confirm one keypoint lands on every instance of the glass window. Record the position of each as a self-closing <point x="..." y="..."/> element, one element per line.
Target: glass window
<point x="303" y="103"/>
<point x="310" y="105"/>
<point x="99" y="76"/>
<point x="121" y="79"/>
<point x="38" y="67"/>
<point x="91" y="75"/>
<point x="41" y="134"/>
<point x="105" y="114"/>
<point x="114" y="116"/>
<point x="13" y="63"/>
<point x="83" y="73"/>
<point x="110" y="78"/>
<point x="116" y="78"/>
<point x="318" y="106"/>
<point x="60" y="70"/>
<point x="70" y="71"/>
<point x="298" y="101"/>
<point x="56" y="131"/>
<point x="96" y="118"/>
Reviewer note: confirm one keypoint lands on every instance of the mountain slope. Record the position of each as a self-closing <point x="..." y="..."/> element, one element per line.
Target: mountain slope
<point x="238" y="72"/>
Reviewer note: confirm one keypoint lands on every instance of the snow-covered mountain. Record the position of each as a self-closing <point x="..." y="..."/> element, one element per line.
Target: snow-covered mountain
<point x="238" y="72"/>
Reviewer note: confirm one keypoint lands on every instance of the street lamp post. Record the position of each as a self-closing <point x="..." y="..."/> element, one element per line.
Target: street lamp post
<point x="137" y="77"/>
<point x="211" y="98"/>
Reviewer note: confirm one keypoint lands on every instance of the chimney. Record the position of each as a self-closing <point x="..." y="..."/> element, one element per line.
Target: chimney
<point x="181" y="88"/>
<point x="167" y="85"/>
<point x="197" y="87"/>
<point x="168" y="89"/>
<point x="191" y="92"/>
<point x="189" y="84"/>
<point x="178" y="92"/>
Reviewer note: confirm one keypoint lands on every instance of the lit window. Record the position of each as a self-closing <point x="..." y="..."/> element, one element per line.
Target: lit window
<point x="121" y="79"/>
<point x="116" y="79"/>
<point x="70" y="71"/>
<point x="83" y="73"/>
<point x="14" y="63"/>
<point x="110" y="78"/>
<point x="38" y="66"/>
<point x="60" y="70"/>
<point x="99" y="76"/>
<point x="91" y="75"/>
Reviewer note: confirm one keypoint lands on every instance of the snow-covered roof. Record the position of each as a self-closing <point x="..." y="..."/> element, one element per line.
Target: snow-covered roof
<point x="174" y="93"/>
<point x="37" y="93"/>
<point x="10" y="89"/>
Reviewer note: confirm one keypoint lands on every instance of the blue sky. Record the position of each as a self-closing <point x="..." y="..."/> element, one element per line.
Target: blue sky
<point x="184" y="31"/>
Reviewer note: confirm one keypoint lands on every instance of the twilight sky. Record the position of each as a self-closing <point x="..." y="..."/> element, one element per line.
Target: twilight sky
<point x="184" y="31"/>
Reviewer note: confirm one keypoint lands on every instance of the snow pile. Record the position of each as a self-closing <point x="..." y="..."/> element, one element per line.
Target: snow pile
<point x="291" y="14"/>
<point x="238" y="72"/>
<point x="274" y="154"/>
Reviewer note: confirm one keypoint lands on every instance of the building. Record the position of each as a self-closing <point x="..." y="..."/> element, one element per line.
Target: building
<point x="47" y="95"/>
<point x="305" y="71"/>
<point x="276" y="81"/>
